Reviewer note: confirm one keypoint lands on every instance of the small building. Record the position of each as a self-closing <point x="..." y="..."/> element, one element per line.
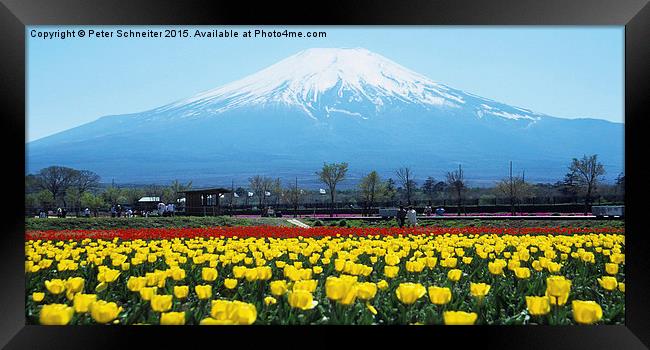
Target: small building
<point x="204" y="201"/>
<point x="148" y="203"/>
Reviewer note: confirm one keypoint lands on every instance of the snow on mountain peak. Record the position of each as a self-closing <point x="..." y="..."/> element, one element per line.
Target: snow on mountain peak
<point x="341" y="80"/>
<point x="301" y="79"/>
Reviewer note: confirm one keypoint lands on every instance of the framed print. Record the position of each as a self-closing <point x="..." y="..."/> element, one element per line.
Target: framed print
<point x="349" y="169"/>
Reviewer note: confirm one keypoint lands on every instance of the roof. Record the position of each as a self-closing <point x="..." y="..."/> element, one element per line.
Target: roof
<point x="149" y="199"/>
<point x="207" y="190"/>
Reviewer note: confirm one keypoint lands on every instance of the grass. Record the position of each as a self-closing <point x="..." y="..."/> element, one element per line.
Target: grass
<point x="474" y="223"/>
<point x="107" y="223"/>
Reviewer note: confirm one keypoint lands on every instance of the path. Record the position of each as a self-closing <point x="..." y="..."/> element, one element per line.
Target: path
<point x="298" y="223"/>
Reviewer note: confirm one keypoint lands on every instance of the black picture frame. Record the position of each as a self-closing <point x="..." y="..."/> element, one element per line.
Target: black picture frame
<point x="15" y="15"/>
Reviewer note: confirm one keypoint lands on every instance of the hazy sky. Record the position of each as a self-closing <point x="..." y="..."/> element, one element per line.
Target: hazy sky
<point x="568" y="72"/>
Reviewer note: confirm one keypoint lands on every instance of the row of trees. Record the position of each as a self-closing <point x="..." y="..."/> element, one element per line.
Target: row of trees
<point x="74" y="189"/>
<point x="64" y="187"/>
<point x="583" y="178"/>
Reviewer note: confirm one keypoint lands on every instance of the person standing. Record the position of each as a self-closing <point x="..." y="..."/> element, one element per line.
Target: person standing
<point x="401" y="215"/>
<point x="412" y="217"/>
<point x="161" y="209"/>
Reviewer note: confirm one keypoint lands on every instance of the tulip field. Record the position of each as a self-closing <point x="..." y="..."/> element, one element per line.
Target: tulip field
<point x="326" y="275"/>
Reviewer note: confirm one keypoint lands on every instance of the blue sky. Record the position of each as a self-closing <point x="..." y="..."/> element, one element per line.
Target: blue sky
<point x="568" y="72"/>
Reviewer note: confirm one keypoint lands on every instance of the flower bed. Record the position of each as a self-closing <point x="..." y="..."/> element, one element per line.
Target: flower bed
<point x="270" y="275"/>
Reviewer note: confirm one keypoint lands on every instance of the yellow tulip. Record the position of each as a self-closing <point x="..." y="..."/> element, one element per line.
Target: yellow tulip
<point x="301" y="299"/>
<point x="203" y="291"/>
<point x="382" y="284"/>
<point x="391" y="271"/>
<point x="146" y="293"/>
<point x="479" y="290"/>
<point x="538" y="306"/>
<point x="308" y="285"/>
<point x="104" y="312"/>
<point x="55" y="314"/>
<point x="608" y="282"/>
<point x="74" y="284"/>
<point x="317" y="269"/>
<point x="230" y="283"/>
<point x="522" y="272"/>
<point x="239" y="271"/>
<point x="161" y="303"/>
<point x="586" y="312"/>
<point x="55" y="286"/>
<point x="459" y="317"/>
<point x="431" y="262"/>
<point x="108" y="275"/>
<point x="454" y="275"/>
<point x="558" y="288"/>
<point x="439" y="295"/>
<point x="172" y="318"/>
<point x="178" y="274"/>
<point x="611" y="268"/>
<point x="391" y="259"/>
<point x="134" y="284"/>
<point x="209" y="274"/>
<point x="621" y="287"/>
<point x="278" y="288"/>
<point x="342" y="290"/>
<point x="366" y="290"/>
<point x="409" y="293"/>
<point x="38" y="296"/>
<point x="496" y="267"/>
<point x="181" y="292"/>
<point x="82" y="302"/>
<point x="270" y="300"/>
<point x="553" y="267"/>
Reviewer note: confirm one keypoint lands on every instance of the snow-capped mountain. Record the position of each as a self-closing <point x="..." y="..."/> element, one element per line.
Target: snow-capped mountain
<point x="328" y="105"/>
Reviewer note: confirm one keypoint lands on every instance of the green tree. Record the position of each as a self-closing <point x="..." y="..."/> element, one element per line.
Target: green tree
<point x="92" y="202"/>
<point x="331" y="175"/>
<point x="112" y="195"/>
<point x="429" y="187"/>
<point x="370" y="187"/>
<point x="390" y="191"/>
<point x="45" y="199"/>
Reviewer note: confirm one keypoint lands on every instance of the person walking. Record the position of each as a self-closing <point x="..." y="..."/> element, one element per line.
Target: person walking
<point x="412" y="217"/>
<point x="401" y="215"/>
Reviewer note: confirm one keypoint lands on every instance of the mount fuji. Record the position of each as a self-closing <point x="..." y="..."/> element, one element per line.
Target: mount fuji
<point x="326" y="105"/>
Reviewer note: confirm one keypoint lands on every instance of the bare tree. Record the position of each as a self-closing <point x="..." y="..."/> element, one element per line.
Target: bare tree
<point x="331" y="175"/>
<point x="370" y="187"/>
<point x="86" y="180"/>
<point x="587" y="173"/>
<point x="294" y="195"/>
<point x="456" y="182"/>
<point x="57" y="180"/>
<point x="260" y="185"/>
<point x="514" y="188"/>
<point x="405" y="177"/>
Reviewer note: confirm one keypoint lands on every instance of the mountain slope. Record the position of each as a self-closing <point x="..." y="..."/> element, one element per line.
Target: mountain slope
<point x="328" y="105"/>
